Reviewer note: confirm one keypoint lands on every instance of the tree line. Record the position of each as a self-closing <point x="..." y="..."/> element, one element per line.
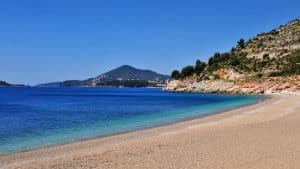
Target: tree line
<point x="213" y="63"/>
<point x="189" y="70"/>
<point x="237" y="59"/>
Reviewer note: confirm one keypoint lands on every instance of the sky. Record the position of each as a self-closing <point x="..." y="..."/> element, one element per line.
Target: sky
<point x="55" y="40"/>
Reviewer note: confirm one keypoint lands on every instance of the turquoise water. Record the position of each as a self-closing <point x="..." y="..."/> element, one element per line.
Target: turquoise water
<point x="39" y="117"/>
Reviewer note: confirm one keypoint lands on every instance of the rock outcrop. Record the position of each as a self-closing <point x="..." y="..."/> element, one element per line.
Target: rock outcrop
<point x="263" y="86"/>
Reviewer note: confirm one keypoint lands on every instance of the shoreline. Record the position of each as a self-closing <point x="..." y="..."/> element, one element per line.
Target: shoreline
<point x="182" y="120"/>
<point x="100" y="146"/>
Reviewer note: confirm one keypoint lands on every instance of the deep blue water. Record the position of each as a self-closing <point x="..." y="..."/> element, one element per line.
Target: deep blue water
<point x="39" y="117"/>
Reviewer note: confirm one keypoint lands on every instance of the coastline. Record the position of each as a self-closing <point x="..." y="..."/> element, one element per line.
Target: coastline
<point x="284" y="85"/>
<point x="261" y="99"/>
<point x="104" y="147"/>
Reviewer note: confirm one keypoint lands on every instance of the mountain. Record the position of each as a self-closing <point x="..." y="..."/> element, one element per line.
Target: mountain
<point x="266" y="63"/>
<point x="127" y="72"/>
<point x="125" y="75"/>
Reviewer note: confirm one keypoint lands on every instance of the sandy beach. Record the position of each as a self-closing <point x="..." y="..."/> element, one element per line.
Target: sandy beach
<point x="261" y="136"/>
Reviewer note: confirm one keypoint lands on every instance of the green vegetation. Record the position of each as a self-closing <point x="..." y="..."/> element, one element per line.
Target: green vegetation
<point x="199" y="67"/>
<point x="187" y="71"/>
<point x="175" y="74"/>
<point x="73" y="83"/>
<point x="241" y="43"/>
<point x="126" y="83"/>
<point x="234" y="61"/>
<point x="288" y="65"/>
<point x="291" y="65"/>
<point x="218" y="58"/>
<point x="267" y="54"/>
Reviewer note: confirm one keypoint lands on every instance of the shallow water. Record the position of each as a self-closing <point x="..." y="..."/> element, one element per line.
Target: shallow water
<point x="40" y="117"/>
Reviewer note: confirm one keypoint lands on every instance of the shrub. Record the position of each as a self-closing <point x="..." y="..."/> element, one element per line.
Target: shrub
<point x="260" y="45"/>
<point x="218" y="58"/>
<point x="241" y="43"/>
<point x="214" y="59"/>
<point x="234" y="61"/>
<point x="274" y="32"/>
<point x="199" y="67"/>
<point x="187" y="71"/>
<point x="266" y="56"/>
<point x="290" y="66"/>
<point x="175" y="74"/>
<point x="232" y="50"/>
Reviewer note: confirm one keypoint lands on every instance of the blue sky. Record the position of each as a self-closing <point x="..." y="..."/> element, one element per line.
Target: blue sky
<point x="54" y="40"/>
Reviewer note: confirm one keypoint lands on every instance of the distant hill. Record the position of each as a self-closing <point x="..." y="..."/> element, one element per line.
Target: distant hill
<point x="51" y="84"/>
<point x="126" y="76"/>
<point x="5" y="84"/>
<point x="127" y="72"/>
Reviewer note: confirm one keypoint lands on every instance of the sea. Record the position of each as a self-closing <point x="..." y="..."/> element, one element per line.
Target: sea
<point x="32" y="117"/>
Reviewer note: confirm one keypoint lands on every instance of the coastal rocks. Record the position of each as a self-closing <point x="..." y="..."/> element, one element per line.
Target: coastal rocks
<point x="228" y="74"/>
<point x="264" y="86"/>
<point x="172" y="85"/>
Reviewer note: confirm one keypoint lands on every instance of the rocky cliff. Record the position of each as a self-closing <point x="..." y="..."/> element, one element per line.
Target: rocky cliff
<point x="263" y="86"/>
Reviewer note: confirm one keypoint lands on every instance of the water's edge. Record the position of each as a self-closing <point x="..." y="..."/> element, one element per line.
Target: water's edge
<point x="262" y="99"/>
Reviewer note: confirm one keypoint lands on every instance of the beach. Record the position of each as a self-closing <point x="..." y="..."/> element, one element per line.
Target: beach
<point x="264" y="135"/>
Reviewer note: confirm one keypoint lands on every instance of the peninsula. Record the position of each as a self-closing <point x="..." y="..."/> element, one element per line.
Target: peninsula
<point x="123" y="76"/>
<point x="6" y="84"/>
